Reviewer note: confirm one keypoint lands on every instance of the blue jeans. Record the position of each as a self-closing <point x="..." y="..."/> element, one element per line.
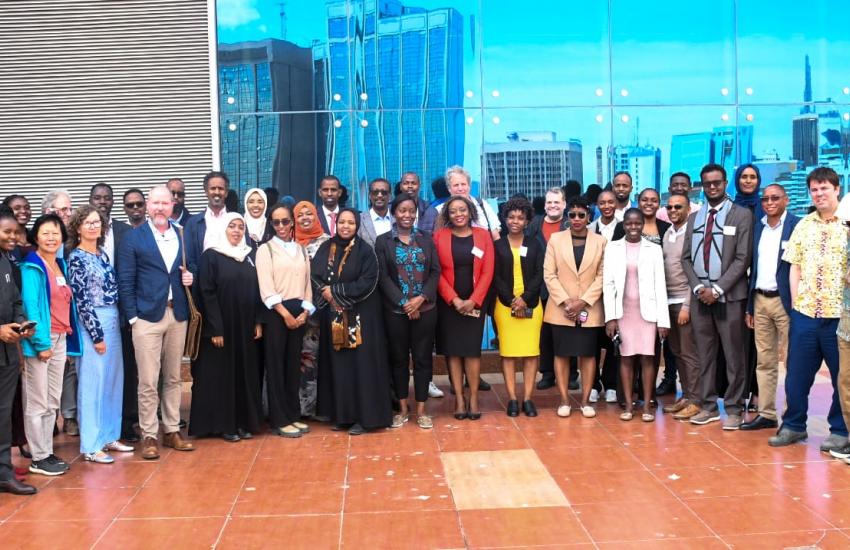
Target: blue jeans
<point x="810" y="342"/>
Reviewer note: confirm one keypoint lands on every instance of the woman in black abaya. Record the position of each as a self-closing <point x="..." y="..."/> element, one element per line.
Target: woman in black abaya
<point x="354" y="383"/>
<point x="226" y="377"/>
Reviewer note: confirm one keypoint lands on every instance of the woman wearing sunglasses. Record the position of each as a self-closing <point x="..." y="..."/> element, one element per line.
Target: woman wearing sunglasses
<point x="283" y="270"/>
<point x="572" y="272"/>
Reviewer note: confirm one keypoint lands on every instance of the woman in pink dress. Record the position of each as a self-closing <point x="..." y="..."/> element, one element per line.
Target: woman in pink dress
<point x="635" y="297"/>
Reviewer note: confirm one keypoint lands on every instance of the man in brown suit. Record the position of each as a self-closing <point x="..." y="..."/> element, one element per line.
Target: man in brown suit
<point x="715" y="256"/>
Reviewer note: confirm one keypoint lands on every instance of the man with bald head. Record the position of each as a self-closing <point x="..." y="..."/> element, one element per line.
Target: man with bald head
<point x="151" y="283"/>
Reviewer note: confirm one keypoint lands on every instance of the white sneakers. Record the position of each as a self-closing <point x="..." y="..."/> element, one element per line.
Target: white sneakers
<point x="594" y="396"/>
<point x="434" y="391"/>
<point x="588" y="412"/>
<point x="610" y="396"/>
<point x="564" y="411"/>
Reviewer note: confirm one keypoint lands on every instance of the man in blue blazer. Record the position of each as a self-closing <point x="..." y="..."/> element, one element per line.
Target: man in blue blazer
<point x="769" y="299"/>
<point x="151" y="281"/>
<point x="216" y="185"/>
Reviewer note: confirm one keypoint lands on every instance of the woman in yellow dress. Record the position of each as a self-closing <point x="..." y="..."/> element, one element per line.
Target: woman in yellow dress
<point x="518" y="313"/>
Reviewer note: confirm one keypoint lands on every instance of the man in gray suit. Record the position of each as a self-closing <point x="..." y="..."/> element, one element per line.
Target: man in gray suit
<point x="715" y="256"/>
<point x="377" y="220"/>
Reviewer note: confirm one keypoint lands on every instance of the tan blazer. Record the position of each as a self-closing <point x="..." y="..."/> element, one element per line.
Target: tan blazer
<point x="566" y="282"/>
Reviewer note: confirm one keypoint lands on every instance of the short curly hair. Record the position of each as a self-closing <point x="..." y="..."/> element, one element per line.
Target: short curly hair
<point x="473" y="210"/>
<point x="520" y="204"/>
<point x="76" y="221"/>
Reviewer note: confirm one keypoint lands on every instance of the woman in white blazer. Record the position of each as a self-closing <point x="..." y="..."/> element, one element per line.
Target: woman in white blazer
<point x="635" y="297"/>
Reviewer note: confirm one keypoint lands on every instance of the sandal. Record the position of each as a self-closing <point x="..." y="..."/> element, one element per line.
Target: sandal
<point x="647" y="417"/>
<point x="425" y="422"/>
<point x="626" y="416"/>
<point x="284" y="433"/>
<point x="302" y="427"/>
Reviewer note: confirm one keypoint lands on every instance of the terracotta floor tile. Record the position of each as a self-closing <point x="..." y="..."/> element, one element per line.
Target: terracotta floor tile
<point x="181" y="501"/>
<point x="426" y="530"/>
<point x="670" y="431"/>
<point x="760" y="452"/>
<point x="447" y="422"/>
<point x="660" y="520"/>
<point x="87" y="475"/>
<point x="389" y="465"/>
<point x="331" y="444"/>
<point x="824" y="476"/>
<point x="701" y="543"/>
<point x="554" y="436"/>
<point x="306" y="468"/>
<point x="500" y="479"/>
<point x="178" y="472"/>
<point x="37" y="535"/>
<point x="606" y="486"/>
<point x="211" y="449"/>
<point x="755" y="514"/>
<point x="69" y="504"/>
<point x="287" y="497"/>
<point x="833" y="506"/>
<point x="401" y="495"/>
<point x="692" y="455"/>
<point x="822" y="540"/>
<point x="403" y="440"/>
<point x="714" y="481"/>
<point x="589" y="459"/>
<point x="481" y="440"/>
<point x="314" y="532"/>
<point x="9" y="504"/>
<point x="522" y="527"/>
<point x="162" y="533"/>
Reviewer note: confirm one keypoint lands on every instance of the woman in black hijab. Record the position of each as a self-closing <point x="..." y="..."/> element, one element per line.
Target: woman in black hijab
<point x="354" y="378"/>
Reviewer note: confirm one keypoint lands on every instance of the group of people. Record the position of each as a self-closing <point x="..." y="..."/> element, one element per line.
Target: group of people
<point x="321" y="312"/>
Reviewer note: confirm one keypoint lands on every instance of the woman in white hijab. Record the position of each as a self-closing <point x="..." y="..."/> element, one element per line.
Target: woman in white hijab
<point x="255" y="215"/>
<point x="226" y="375"/>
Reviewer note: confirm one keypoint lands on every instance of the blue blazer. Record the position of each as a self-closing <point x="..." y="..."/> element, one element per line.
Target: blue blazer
<point x="783" y="269"/>
<point x="144" y="279"/>
<point x="196" y="229"/>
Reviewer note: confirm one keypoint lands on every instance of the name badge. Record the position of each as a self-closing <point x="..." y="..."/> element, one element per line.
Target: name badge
<point x="729" y="230"/>
<point x="783" y="245"/>
<point x="523" y="251"/>
<point x="477" y="252"/>
<point x="672" y="237"/>
<point x="8" y="279"/>
<point x="60" y="280"/>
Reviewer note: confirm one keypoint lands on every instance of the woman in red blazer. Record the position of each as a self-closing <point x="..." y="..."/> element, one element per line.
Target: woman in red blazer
<point x="466" y="270"/>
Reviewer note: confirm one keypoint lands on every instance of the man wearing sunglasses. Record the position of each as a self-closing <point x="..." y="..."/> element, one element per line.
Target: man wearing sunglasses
<point x="134" y="206"/>
<point x="377" y="220"/>
<point x="769" y="300"/>
<point x="178" y="192"/>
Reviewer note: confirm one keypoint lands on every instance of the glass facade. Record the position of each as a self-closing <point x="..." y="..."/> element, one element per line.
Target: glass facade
<point x="527" y="96"/>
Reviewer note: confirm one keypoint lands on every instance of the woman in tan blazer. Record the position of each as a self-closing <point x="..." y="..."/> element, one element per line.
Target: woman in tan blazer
<point x="572" y="272"/>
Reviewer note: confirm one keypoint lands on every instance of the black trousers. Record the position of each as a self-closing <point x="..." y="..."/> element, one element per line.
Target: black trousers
<point x="406" y="338"/>
<point x="130" y="402"/>
<point x="8" y="385"/>
<point x="283" y="371"/>
<point x="608" y="375"/>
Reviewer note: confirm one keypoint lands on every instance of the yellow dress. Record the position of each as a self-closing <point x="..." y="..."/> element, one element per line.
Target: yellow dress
<point x="518" y="337"/>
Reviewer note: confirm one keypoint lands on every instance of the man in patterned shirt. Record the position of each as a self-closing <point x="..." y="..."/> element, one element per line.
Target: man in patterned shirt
<point x="817" y="252"/>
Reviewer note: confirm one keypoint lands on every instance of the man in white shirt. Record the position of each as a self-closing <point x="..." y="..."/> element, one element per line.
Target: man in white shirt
<point x="680" y="182"/>
<point x="459" y="182"/>
<point x="622" y="187"/>
<point x="203" y="228"/>
<point x="377" y="220"/>
<point x="330" y="190"/>
<point x="101" y="197"/>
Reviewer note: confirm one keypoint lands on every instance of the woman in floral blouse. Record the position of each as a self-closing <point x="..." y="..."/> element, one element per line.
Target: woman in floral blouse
<point x="100" y="370"/>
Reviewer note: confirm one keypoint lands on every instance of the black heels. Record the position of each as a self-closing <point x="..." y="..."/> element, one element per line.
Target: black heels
<point x="460" y="415"/>
<point x="513" y="407"/>
<point x="528" y="408"/>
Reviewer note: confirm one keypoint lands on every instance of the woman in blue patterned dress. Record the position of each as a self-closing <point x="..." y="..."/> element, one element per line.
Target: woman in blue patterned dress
<point x="100" y="370"/>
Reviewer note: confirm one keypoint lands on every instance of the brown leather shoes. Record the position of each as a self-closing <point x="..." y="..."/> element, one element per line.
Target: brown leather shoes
<point x="149" y="449"/>
<point x="687" y="412"/>
<point x="677" y="406"/>
<point x="174" y="441"/>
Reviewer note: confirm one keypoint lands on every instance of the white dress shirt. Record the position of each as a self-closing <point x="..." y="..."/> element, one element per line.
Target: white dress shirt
<point x="109" y="243"/>
<point x="331" y="223"/>
<point x="606" y="231"/>
<point x="383" y="224"/>
<point x="169" y="246"/>
<point x="769" y="250"/>
<point x="215" y="226"/>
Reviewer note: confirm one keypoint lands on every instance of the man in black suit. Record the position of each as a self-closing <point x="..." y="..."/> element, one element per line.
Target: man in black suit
<point x="178" y="192"/>
<point x="330" y="191"/>
<point x="102" y="198"/>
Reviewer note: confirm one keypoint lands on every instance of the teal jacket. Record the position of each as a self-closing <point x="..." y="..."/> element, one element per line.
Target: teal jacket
<point x="35" y="293"/>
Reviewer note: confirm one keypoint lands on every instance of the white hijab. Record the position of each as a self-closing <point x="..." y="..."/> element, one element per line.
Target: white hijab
<point x="223" y="246"/>
<point x="255" y="227"/>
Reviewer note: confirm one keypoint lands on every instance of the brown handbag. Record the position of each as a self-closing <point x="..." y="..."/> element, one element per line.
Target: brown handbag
<point x="196" y="320"/>
<point x="345" y="331"/>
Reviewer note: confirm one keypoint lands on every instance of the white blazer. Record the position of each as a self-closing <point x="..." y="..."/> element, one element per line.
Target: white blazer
<point x="651" y="283"/>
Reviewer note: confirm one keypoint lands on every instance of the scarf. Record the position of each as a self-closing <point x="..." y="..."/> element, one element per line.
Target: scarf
<point x="223" y="246"/>
<point x="255" y="227"/>
<point x="748" y="200"/>
<point x="305" y="236"/>
<point x="709" y="274"/>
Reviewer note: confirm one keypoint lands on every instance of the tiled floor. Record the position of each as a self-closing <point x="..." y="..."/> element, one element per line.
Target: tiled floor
<point x="499" y="482"/>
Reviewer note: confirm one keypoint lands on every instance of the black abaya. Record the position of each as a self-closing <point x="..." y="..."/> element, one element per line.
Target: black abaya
<point x="226" y="380"/>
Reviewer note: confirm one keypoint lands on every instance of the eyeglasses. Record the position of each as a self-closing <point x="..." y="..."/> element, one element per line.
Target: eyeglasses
<point x="675" y="206"/>
<point x="379" y="192"/>
<point x="139" y="204"/>
<point x="178" y="194"/>
<point x="771" y="198"/>
<point x="579" y="215"/>
<point x="66" y="210"/>
<point x="281" y="223"/>
<point x="713" y="183"/>
<point x="92" y="225"/>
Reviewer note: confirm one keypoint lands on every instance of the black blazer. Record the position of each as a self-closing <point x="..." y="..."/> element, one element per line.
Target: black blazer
<point x="388" y="272"/>
<point x="619" y="232"/>
<point x="532" y="271"/>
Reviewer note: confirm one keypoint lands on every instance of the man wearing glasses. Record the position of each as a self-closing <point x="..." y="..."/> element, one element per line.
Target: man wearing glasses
<point x="769" y="300"/>
<point x="377" y="220"/>
<point x="715" y="257"/>
<point x="134" y="206"/>
<point x="178" y="192"/>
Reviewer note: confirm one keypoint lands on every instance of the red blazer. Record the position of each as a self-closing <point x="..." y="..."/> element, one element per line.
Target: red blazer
<point x="482" y="268"/>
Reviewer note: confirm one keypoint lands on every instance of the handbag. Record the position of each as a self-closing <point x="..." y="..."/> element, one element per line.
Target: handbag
<point x="196" y="320"/>
<point x="345" y="331"/>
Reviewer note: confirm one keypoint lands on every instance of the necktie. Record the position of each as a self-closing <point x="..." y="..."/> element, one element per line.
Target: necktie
<point x="333" y="223"/>
<point x="708" y="239"/>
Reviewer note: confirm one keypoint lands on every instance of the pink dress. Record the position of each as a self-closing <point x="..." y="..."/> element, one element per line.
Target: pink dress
<point x="637" y="337"/>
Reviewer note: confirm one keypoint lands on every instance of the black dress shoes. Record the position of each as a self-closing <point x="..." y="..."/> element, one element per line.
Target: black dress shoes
<point x="513" y="407"/>
<point x="574" y="385"/>
<point x="546" y="381"/>
<point x="528" y="408"/>
<point x="666" y="387"/>
<point x="483" y="385"/>
<point x="17" y="487"/>
<point x="759" y="423"/>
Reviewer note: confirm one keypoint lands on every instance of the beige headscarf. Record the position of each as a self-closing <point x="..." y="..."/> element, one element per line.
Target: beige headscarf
<point x="255" y="227"/>
<point x="223" y="246"/>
